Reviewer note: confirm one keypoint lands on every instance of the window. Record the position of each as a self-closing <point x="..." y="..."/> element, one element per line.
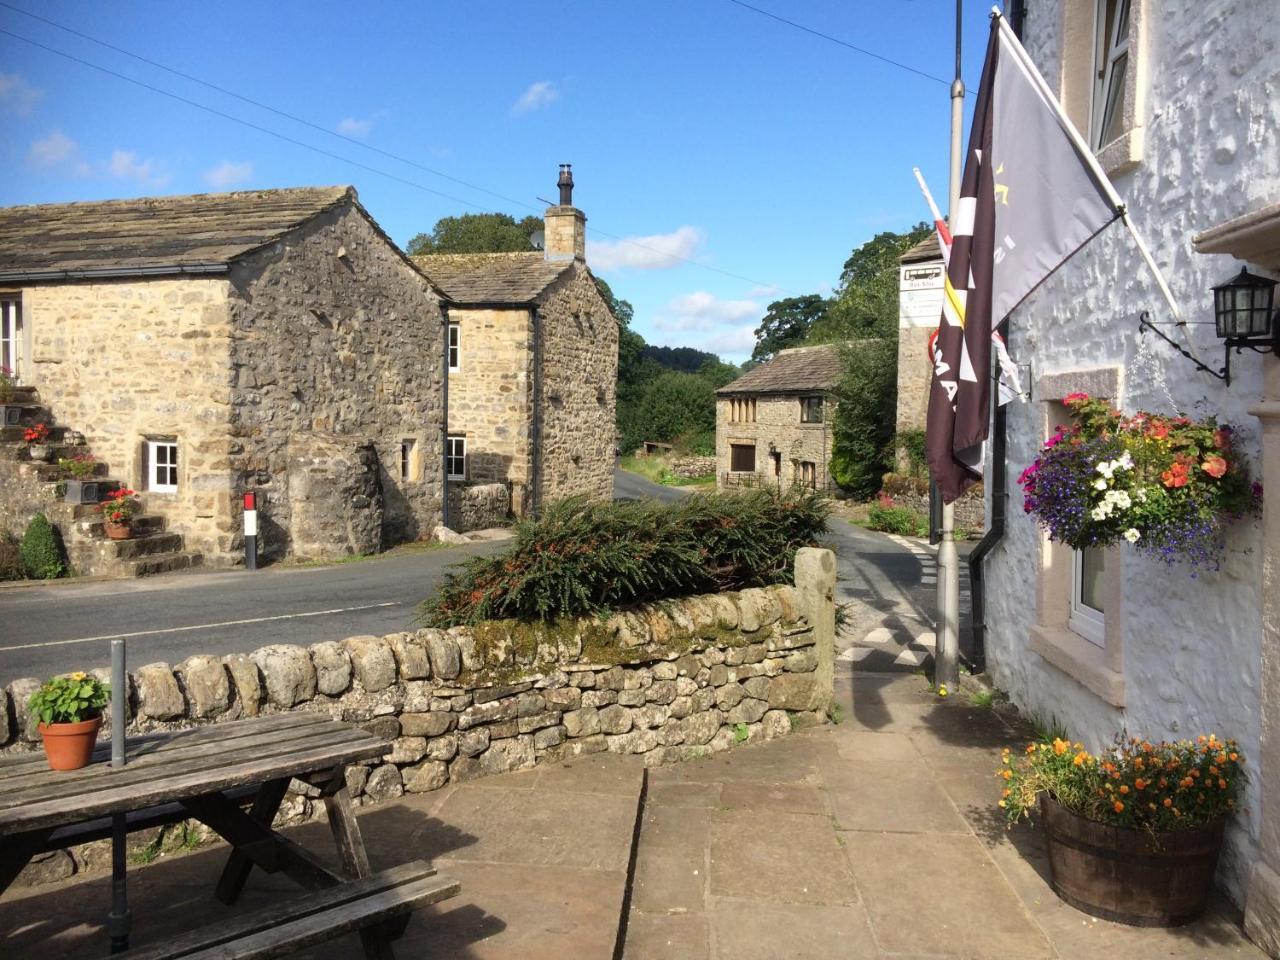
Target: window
<point x="742" y="411"/>
<point x="11" y="335"/>
<point x="809" y="474"/>
<point x="455" y="346"/>
<point x="162" y="466"/>
<point x="1088" y="608"/>
<point x="455" y="458"/>
<point x="408" y="459"/>
<point x="776" y="457"/>
<point x="742" y="457"/>
<point x="810" y="409"/>
<point x="1111" y="71"/>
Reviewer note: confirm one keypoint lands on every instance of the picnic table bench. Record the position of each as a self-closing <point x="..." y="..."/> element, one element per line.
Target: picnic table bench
<point x="233" y="778"/>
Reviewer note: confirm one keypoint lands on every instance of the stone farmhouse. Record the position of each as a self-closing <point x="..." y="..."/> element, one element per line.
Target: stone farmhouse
<point x="1183" y="119"/>
<point x="773" y="424"/>
<point x="204" y="346"/>
<point x="533" y="370"/>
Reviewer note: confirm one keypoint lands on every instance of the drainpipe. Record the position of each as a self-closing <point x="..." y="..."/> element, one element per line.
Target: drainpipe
<point x="444" y="431"/>
<point x="535" y="466"/>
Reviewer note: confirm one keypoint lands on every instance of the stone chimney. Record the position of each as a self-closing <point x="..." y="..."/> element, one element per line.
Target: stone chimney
<point x="565" y="226"/>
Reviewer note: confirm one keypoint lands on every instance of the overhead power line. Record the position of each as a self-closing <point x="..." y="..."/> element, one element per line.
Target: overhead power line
<point x="320" y="150"/>
<point x="844" y="43"/>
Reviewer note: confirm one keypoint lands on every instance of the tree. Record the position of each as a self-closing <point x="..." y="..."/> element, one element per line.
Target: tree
<point x="622" y="310"/>
<point x="787" y="324"/>
<point x="478" y="233"/>
<point x="866" y="302"/>
<point x="676" y="405"/>
<point x="862" y="435"/>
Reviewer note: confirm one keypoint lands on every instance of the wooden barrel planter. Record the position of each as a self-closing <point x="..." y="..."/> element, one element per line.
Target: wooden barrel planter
<point x="1130" y="876"/>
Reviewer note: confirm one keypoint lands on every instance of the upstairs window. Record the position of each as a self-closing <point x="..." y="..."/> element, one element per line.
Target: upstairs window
<point x="162" y="466"/>
<point x="455" y="457"/>
<point x="11" y="336"/>
<point x="1111" y="71"/>
<point x="810" y="409"/>
<point x="742" y="411"/>
<point x="455" y="347"/>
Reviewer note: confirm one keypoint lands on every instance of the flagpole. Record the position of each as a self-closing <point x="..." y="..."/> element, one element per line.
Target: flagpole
<point x="946" y="657"/>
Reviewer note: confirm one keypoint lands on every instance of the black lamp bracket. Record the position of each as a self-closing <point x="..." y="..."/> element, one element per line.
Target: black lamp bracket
<point x="1145" y="323"/>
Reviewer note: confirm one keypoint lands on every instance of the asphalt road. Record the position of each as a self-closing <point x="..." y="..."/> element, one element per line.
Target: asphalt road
<point x="52" y="628"/>
<point x="632" y="486"/>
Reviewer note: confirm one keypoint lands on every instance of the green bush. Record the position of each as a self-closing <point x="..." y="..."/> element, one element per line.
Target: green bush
<point x="588" y="558"/>
<point x="911" y="443"/>
<point x="889" y="518"/>
<point x="41" y="551"/>
<point x="862" y="434"/>
<point x="11" y="567"/>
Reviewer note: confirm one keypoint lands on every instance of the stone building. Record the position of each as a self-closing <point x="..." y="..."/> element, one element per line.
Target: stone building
<point x="1184" y="123"/>
<point x="533" y="368"/>
<point x="204" y="346"/>
<point x="920" y="283"/>
<point x="773" y="424"/>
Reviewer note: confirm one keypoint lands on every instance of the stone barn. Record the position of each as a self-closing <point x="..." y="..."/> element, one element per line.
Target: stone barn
<point x="204" y="346"/>
<point x="533" y="369"/>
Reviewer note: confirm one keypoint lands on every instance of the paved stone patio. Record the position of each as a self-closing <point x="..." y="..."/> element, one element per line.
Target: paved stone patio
<point x="874" y="838"/>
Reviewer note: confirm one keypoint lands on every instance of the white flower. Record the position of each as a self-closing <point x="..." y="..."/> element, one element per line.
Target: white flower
<point x="1099" y="484"/>
<point x="1141" y="493"/>
<point x="1122" y="499"/>
<point x="1104" y="468"/>
<point x="1132" y="535"/>
<point x="1098" y="513"/>
<point x="1125" y="462"/>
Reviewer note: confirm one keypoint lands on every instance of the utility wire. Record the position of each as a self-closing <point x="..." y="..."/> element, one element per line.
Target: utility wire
<point x="844" y="43"/>
<point x="327" y="153"/>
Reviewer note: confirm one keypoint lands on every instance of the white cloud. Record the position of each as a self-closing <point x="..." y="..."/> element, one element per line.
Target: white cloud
<point x="660" y="251"/>
<point x="708" y="322"/>
<point x="771" y="290"/>
<point x="127" y="165"/>
<point x="355" y="127"/>
<point x="536" y="96"/>
<point x="57" y="151"/>
<point x="228" y="174"/>
<point x="17" y="96"/>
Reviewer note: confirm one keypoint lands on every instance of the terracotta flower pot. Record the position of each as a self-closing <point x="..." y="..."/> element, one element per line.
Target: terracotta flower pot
<point x="1127" y="875"/>
<point x="68" y="746"/>
<point x="118" y="531"/>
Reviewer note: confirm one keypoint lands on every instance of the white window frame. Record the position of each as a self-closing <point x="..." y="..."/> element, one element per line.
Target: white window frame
<point x="154" y="483"/>
<point x="408" y="459"/>
<point x="1089" y="622"/>
<point x="11" y="335"/>
<point x="452" y="455"/>
<point x="1105" y="56"/>
<point x="455" y="347"/>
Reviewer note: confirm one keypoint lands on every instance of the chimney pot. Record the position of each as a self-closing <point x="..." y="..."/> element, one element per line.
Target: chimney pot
<point x="565" y="183"/>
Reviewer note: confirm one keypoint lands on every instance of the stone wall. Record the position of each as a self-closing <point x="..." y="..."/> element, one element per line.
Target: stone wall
<point x="1188" y="648"/>
<point x="671" y="681"/>
<point x="579" y="380"/>
<point x="914" y="377"/>
<point x="490" y="396"/>
<point x="778" y="424"/>
<point x="337" y="337"/>
<point x="688" y="468"/>
<point x="123" y="360"/>
<point x="478" y="506"/>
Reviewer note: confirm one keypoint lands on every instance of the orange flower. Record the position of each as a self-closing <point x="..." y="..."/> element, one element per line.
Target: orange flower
<point x="1060" y="746"/>
<point x="1222" y="784"/>
<point x="1007" y="774"/>
<point x="1176" y="476"/>
<point x="1167" y="803"/>
<point x="1080" y="759"/>
<point x="1118" y="807"/>
<point x="1124" y="788"/>
<point x="1140" y="784"/>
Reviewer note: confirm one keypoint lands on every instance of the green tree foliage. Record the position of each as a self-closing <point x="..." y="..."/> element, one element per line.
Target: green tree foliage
<point x="787" y="324"/>
<point x="586" y="558"/>
<point x="862" y="435"/>
<point x="622" y="310"/>
<point x="866" y="302"/>
<point x="477" y="233"/>
<point x="672" y="406"/>
<point x="41" y="551"/>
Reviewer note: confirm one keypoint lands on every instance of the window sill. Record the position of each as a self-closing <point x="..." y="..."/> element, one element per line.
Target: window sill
<point x="1081" y="660"/>
<point x="1122" y="154"/>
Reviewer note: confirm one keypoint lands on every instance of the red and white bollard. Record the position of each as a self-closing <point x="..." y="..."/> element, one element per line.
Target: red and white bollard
<point x="250" y="532"/>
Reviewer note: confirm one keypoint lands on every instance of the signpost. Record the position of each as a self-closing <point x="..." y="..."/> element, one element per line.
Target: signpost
<point x="250" y="531"/>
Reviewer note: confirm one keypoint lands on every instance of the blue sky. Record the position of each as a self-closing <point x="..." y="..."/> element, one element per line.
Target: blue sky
<point x="695" y="127"/>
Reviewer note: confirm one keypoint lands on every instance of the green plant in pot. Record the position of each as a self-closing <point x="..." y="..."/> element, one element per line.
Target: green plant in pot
<point x="1134" y="832"/>
<point x="69" y="711"/>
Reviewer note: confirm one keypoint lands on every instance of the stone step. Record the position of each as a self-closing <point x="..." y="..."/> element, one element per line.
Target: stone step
<point x="15" y="413"/>
<point x="161" y="563"/>
<point x="21" y="393"/>
<point x="145" y="546"/>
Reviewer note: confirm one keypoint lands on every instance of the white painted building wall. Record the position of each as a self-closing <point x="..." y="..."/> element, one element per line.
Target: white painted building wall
<point x="1191" y="647"/>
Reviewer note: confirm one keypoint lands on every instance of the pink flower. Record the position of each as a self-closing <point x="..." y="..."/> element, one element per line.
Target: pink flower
<point x="1214" y="466"/>
<point x="1075" y="397"/>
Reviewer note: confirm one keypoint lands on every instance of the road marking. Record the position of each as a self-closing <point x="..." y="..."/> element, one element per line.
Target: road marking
<point x="206" y="626"/>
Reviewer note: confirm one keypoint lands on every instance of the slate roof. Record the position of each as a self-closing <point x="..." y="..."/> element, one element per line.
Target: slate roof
<point x="798" y="370"/>
<point x="927" y="249"/>
<point x="496" y="278"/>
<point x="200" y="233"/>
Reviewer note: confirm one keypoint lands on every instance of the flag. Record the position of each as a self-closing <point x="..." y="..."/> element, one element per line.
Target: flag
<point x="1031" y="196"/>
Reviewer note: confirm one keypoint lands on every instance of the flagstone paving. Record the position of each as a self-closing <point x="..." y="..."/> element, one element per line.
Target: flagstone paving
<point x="873" y="838"/>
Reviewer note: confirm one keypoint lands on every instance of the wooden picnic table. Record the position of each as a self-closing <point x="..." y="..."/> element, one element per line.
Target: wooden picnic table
<point x="230" y="776"/>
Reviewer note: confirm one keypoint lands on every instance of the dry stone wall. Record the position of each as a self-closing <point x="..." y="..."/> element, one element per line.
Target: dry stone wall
<point x="478" y="506"/>
<point x="670" y="681"/>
